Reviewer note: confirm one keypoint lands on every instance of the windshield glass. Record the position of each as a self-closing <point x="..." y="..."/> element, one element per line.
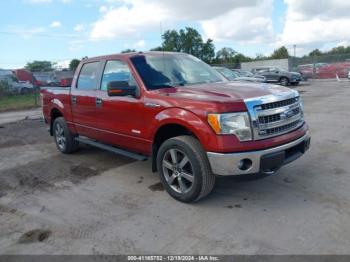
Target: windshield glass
<point x="170" y="70"/>
<point x="229" y="74"/>
<point x="246" y="73"/>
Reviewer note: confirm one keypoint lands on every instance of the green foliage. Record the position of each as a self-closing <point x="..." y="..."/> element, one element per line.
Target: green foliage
<point x="128" y="51"/>
<point x="74" y="64"/>
<point x="339" y="50"/>
<point x="225" y="55"/>
<point x="4" y="87"/>
<point x="39" y="66"/>
<point x="315" y="52"/>
<point x="188" y="41"/>
<point x="280" y="53"/>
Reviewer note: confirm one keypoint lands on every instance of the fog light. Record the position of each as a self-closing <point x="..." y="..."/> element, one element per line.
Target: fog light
<point x="245" y="164"/>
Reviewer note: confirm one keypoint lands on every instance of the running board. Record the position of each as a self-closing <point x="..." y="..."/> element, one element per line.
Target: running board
<point x="112" y="149"/>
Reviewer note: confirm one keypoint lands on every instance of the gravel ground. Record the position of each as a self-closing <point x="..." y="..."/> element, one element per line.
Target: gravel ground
<point x="94" y="202"/>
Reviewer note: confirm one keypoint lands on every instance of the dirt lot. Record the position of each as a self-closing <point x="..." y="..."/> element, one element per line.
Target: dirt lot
<point x="94" y="202"/>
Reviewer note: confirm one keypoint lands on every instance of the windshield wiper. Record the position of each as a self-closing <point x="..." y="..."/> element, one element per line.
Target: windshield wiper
<point x="168" y="85"/>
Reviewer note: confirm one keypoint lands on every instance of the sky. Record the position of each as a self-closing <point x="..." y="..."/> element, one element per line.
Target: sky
<point x="60" y="30"/>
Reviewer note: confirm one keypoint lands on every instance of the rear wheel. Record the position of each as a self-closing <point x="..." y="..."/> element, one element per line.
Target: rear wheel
<point x="284" y="81"/>
<point x="65" y="140"/>
<point x="184" y="169"/>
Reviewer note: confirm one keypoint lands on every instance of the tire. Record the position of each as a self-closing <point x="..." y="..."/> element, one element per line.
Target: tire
<point x="186" y="180"/>
<point x="24" y="91"/>
<point x="65" y="140"/>
<point x="284" y="81"/>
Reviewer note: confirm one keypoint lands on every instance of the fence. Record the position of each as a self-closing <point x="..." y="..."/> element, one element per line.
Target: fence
<point x="318" y="67"/>
<point x="325" y="66"/>
<point x="15" y="96"/>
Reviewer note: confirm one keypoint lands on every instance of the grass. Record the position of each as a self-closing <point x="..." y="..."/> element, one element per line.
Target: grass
<point x="18" y="102"/>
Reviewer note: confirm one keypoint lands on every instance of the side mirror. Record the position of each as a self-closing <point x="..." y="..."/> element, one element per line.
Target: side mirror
<point x="120" y="88"/>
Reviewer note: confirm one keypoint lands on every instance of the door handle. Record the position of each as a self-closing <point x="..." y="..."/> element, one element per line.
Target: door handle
<point x="74" y="99"/>
<point x="98" y="101"/>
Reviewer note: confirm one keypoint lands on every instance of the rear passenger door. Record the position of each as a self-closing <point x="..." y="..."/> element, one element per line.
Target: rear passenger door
<point x="83" y="99"/>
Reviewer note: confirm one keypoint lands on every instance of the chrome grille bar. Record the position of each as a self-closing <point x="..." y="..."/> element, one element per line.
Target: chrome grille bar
<point x="275" y="115"/>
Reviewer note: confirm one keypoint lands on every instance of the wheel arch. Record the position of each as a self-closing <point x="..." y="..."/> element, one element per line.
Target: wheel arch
<point x="165" y="132"/>
<point x="54" y="113"/>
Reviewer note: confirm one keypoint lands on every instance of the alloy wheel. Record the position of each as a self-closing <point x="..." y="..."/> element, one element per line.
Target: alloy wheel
<point x="60" y="136"/>
<point x="178" y="171"/>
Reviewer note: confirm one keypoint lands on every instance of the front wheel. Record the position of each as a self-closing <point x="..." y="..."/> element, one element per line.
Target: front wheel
<point x="184" y="169"/>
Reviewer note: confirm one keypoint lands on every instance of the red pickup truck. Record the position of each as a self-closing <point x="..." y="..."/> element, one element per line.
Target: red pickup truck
<point x="178" y="111"/>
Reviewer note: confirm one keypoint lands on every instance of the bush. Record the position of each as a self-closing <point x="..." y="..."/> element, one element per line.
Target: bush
<point x="4" y="88"/>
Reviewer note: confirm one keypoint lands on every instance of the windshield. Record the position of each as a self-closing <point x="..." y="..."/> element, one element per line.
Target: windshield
<point x="229" y="74"/>
<point x="246" y="73"/>
<point x="171" y="70"/>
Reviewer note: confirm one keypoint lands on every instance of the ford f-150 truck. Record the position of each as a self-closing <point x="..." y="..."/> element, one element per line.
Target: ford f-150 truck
<point x="178" y="111"/>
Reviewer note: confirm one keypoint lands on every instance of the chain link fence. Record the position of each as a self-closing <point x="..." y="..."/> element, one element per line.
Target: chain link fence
<point x="322" y="67"/>
<point x="16" y="95"/>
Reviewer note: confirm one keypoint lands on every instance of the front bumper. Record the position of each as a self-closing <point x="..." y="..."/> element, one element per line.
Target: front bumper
<point x="262" y="161"/>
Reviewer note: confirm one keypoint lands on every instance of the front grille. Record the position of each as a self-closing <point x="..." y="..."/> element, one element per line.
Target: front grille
<point x="280" y="103"/>
<point x="276" y="118"/>
<point x="269" y="119"/>
<point x="280" y="129"/>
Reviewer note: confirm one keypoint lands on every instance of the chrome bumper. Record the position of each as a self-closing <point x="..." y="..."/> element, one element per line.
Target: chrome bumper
<point x="262" y="161"/>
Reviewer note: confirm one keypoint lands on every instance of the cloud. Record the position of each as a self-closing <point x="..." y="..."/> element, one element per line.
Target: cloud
<point x="314" y="23"/>
<point x="127" y="21"/>
<point x="220" y="19"/>
<point x="247" y="24"/>
<point x="26" y="32"/>
<point x="55" y="24"/>
<point x="103" y="9"/>
<point x="37" y="1"/>
<point x="140" y="44"/>
<point x="62" y="64"/>
<point x="79" y="28"/>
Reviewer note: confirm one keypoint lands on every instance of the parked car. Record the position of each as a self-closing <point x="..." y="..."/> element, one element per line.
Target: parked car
<point x="349" y="75"/>
<point x="246" y="73"/>
<point x="44" y="79"/>
<point x="235" y="76"/>
<point x="181" y="113"/>
<point x="278" y="75"/>
<point x="306" y="71"/>
<point x="66" y="82"/>
<point x="24" y="75"/>
<point x="17" y="87"/>
<point x="333" y="70"/>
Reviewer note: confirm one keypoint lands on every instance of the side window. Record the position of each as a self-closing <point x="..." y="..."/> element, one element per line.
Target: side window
<point x="116" y="71"/>
<point x="88" y="76"/>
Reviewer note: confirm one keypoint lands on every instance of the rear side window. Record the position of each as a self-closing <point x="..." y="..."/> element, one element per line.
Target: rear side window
<point x="116" y="70"/>
<point x="88" y="76"/>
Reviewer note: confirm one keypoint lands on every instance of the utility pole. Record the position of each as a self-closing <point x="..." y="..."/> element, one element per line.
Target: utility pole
<point x="295" y="47"/>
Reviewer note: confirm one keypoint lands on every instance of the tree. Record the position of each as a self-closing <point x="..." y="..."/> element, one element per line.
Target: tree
<point x="280" y="53"/>
<point x="37" y="66"/>
<point x="208" y="51"/>
<point x="128" y="51"/>
<point x="188" y="41"/>
<point x="225" y="55"/>
<point x="315" y="52"/>
<point x="74" y="64"/>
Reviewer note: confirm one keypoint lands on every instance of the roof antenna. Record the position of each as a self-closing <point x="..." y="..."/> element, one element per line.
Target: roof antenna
<point x="161" y="37"/>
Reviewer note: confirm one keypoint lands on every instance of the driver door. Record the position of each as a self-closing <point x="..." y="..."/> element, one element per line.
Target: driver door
<point x="121" y="121"/>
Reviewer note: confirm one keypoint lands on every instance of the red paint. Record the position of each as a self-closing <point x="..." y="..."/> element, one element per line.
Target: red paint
<point x="128" y="123"/>
<point x="24" y="75"/>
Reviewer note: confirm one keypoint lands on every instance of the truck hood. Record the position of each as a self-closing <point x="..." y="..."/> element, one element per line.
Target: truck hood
<point x="225" y="91"/>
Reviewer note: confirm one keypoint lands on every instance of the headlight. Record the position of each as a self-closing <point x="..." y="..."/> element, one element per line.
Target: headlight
<point x="231" y="124"/>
